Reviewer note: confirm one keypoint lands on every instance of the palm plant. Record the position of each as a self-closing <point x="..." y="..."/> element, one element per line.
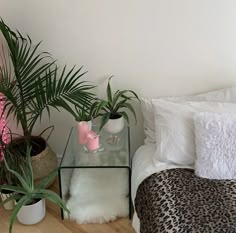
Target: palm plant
<point x="32" y="82"/>
<point x="114" y="106"/>
<point x="87" y="113"/>
<point x="25" y="191"/>
<point x="84" y="114"/>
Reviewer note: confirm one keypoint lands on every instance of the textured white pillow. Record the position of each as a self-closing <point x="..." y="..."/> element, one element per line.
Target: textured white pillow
<point x="175" y="128"/>
<point x="215" y="137"/>
<point x="222" y="95"/>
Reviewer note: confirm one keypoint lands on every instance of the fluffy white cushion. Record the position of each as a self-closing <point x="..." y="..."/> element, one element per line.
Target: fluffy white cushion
<point x="222" y="95"/>
<point x="175" y="128"/>
<point x="215" y="136"/>
<point x="98" y="195"/>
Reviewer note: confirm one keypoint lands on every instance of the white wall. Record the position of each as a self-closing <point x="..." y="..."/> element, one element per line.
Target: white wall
<point x="155" y="47"/>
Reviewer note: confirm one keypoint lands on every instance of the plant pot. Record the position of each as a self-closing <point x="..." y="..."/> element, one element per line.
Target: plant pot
<point x="10" y="204"/>
<point x="43" y="164"/>
<point x="43" y="159"/>
<point x="32" y="214"/>
<point x="114" y="126"/>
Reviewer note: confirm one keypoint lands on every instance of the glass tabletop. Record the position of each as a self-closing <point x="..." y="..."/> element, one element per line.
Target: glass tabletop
<point x="113" y="151"/>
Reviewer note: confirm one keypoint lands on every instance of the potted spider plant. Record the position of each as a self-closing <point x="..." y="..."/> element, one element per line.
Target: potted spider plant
<point x="113" y="109"/>
<point x="30" y="198"/>
<point x="32" y="84"/>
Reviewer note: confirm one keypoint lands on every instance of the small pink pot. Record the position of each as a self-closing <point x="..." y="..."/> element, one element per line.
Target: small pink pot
<point x="83" y="129"/>
<point x="92" y="141"/>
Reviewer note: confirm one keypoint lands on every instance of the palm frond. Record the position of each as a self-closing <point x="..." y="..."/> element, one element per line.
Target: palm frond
<point x="36" y="83"/>
<point x="60" y="93"/>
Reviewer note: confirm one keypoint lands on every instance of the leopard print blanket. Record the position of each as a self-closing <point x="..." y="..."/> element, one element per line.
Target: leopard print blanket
<point x="176" y="200"/>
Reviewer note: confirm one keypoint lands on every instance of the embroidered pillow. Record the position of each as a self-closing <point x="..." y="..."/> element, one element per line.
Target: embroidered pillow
<point x="215" y="138"/>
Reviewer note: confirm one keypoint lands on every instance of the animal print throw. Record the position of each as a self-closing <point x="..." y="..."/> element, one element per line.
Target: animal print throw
<point x="178" y="201"/>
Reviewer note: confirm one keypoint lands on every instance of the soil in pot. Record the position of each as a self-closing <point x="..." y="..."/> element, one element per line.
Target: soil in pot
<point x="20" y="145"/>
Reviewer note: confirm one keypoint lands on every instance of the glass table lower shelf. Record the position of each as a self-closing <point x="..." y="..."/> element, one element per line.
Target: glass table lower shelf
<point x="102" y="178"/>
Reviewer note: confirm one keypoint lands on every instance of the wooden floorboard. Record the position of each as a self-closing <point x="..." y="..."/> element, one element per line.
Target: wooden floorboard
<point x="53" y="223"/>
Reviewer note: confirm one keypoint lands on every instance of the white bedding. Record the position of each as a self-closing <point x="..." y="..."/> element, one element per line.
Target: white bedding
<point x="142" y="167"/>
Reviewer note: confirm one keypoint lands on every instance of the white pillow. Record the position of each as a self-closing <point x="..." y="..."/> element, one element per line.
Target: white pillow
<point x="222" y="95"/>
<point x="175" y="128"/>
<point x="215" y="137"/>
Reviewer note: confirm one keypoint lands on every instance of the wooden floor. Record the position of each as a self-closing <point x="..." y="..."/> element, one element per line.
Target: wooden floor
<point x="53" y="223"/>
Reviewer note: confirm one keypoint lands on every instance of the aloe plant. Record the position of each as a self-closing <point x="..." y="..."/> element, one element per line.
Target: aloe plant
<point x="13" y="161"/>
<point x="115" y="105"/>
<point x="25" y="191"/>
<point x="32" y="82"/>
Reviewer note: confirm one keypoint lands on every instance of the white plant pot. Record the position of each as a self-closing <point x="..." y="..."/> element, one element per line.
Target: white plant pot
<point x="10" y="204"/>
<point x="32" y="214"/>
<point x="114" y="126"/>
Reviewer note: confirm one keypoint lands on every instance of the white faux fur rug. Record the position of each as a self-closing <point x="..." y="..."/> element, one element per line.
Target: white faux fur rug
<point x="98" y="195"/>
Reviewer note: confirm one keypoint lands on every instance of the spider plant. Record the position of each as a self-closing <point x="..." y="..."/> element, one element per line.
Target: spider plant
<point x="25" y="191"/>
<point x="32" y="82"/>
<point x="115" y="104"/>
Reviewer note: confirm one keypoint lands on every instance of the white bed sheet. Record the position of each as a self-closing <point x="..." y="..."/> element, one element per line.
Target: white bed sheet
<point x="142" y="167"/>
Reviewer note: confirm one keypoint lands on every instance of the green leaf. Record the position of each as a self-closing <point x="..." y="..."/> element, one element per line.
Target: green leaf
<point x="124" y="114"/>
<point x="19" y="177"/>
<point x="104" y="120"/>
<point x="101" y="106"/>
<point x="109" y="92"/>
<point x="17" y="208"/>
<point x="47" y="180"/>
<point x="129" y="107"/>
<point x="53" y="197"/>
<point x="13" y="188"/>
<point x="36" y="84"/>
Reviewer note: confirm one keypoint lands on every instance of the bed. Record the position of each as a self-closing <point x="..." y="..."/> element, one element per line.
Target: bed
<point x="168" y="193"/>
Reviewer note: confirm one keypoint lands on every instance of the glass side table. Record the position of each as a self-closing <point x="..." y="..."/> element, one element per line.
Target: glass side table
<point x="113" y="154"/>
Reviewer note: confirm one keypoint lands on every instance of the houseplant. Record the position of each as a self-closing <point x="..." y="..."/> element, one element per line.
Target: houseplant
<point x="84" y="123"/>
<point x="112" y="109"/>
<point x="85" y="116"/>
<point x="30" y="198"/>
<point x="6" y="177"/>
<point x="32" y="83"/>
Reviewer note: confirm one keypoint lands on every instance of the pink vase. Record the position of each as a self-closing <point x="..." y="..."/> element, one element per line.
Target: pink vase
<point x="83" y="129"/>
